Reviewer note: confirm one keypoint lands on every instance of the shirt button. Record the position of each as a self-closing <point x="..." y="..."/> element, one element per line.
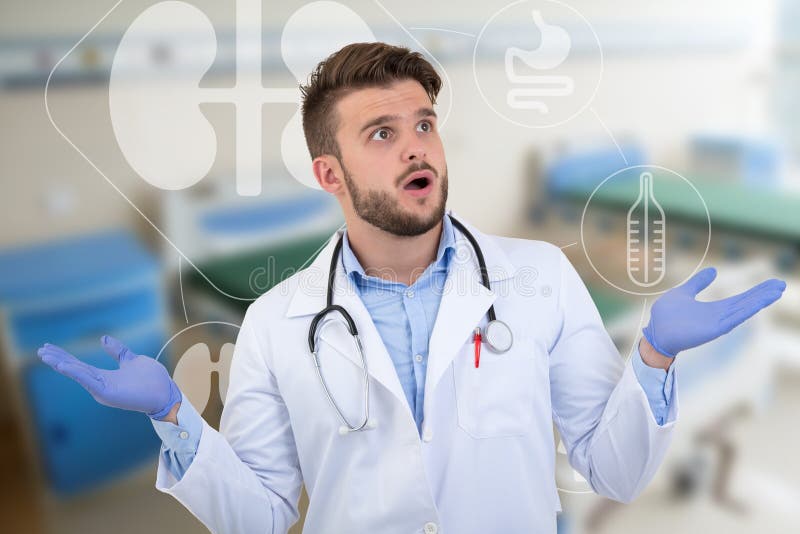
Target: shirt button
<point x="418" y="357"/>
<point x="431" y="528"/>
<point x="184" y="434"/>
<point x="410" y="293"/>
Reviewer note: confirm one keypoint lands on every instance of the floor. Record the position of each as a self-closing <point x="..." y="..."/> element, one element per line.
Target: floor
<point x="765" y="483"/>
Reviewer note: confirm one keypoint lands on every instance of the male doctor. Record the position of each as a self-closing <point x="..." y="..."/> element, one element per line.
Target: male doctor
<point x="450" y="446"/>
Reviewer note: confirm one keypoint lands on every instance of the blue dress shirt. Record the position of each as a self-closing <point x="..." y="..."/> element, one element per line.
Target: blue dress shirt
<point x="404" y="317"/>
<point x="657" y="385"/>
<point x="179" y="442"/>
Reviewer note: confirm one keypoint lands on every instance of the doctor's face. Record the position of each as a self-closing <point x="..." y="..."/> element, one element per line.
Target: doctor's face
<point x="392" y="159"/>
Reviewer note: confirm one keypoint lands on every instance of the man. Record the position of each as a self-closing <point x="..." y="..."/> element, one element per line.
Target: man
<point x="447" y="442"/>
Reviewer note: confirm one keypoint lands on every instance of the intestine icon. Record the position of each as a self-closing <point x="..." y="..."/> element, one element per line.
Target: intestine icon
<point x="552" y="51"/>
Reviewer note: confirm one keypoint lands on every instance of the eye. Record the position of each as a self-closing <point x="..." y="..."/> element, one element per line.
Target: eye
<point x="381" y="134"/>
<point x="426" y="126"/>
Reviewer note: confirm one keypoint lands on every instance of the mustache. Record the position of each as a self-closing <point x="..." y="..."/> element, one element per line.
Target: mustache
<point x="414" y="168"/>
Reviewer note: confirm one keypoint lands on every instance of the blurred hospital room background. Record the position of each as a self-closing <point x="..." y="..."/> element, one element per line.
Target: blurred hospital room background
<point x="700" y="96"/>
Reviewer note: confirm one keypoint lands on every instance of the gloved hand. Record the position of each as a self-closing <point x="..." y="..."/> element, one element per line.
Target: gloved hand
<point x="679" y="322"/>
<point x="140" y="384"/>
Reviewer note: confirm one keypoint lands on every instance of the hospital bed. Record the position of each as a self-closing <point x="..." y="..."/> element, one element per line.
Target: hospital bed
<point x="70" y="292"/>
<point x="240" y="247"/>
<point x="755" y="235"/>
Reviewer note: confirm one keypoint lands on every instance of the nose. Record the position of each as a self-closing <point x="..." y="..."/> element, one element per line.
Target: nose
<point x="414" y="152"/>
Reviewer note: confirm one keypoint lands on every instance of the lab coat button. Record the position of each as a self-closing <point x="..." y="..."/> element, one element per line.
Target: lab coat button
<point x="431" y="528"/>
<point x="427" y="435"/>
<point x="184" y="434"/>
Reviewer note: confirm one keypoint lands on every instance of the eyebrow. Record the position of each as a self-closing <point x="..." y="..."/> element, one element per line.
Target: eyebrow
<point x="421" y="112"/>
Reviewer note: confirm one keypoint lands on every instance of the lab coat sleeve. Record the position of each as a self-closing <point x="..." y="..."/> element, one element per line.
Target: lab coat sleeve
<point x="246" y="477"/>
<point x="601" y="411"/>
<point x="179" y="442"/>
<point x="656" y="383"/>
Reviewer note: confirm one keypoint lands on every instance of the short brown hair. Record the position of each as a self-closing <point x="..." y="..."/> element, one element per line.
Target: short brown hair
<point x="356" y="66"/>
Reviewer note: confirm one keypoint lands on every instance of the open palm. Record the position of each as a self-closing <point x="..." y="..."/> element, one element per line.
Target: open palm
<point x="678" y="321"/>
<point x="140" y="384"/>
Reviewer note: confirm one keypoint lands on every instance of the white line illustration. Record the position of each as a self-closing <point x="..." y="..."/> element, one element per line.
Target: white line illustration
<point x="645" y="245"/>
<point x="551" y="53"/>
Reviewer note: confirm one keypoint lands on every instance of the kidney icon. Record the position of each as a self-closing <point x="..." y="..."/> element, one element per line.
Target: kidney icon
<point x="154" y="96"/>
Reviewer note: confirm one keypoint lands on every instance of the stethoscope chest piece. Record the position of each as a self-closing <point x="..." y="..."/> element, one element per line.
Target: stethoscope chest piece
<point x="498" y="336"/>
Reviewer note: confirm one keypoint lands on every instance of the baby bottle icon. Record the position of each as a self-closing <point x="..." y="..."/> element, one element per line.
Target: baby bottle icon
<point x="551" y="53"/>
<point x="646" y="252"/>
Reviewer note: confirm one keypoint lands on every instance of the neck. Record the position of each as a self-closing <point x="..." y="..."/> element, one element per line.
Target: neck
<point x="391" y="257"/>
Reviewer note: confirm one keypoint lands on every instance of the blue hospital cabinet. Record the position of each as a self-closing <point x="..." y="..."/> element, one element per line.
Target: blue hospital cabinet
<point x="69" y="293"/>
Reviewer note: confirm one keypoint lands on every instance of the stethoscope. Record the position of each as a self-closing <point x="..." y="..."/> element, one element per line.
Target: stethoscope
<point x="496" y="334"/>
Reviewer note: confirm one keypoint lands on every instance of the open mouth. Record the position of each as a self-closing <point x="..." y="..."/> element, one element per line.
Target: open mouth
<point x="417" y="184"/>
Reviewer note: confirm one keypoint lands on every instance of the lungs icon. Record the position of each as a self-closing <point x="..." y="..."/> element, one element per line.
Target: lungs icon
<point x="193" y="373"/>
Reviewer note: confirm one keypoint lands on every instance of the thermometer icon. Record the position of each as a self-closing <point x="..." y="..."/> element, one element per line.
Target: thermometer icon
<point x="646" y="251"/>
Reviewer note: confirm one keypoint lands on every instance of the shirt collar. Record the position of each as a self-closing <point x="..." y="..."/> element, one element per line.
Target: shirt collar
<point x="447" y="245"/>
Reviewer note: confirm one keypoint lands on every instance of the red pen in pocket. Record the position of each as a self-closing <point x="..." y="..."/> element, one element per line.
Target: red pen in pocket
<point x="477" y="339"/>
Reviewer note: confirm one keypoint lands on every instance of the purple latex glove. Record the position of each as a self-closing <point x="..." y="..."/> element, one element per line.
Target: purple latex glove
<point x="140" y="384"/>
<point x="679" y="322"/>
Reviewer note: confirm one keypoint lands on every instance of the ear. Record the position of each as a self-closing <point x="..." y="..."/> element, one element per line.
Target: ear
<point x="328" y="173"/>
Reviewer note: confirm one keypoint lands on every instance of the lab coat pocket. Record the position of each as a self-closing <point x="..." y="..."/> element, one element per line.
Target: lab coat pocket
<point x="497" y="398"/>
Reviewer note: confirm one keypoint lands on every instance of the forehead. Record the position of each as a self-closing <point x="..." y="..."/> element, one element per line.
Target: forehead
<point x="401" y="98"/>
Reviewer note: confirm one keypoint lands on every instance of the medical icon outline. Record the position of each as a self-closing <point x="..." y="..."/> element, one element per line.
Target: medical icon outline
<point x="198" y="358"/>
<point x="151" y="141"/>
<point x="499" y="103"/>
<point x="654" y="169"/>
<point x="194" y="367"/>
<point x="553" y="51"/>
<point x="645" y="238"/>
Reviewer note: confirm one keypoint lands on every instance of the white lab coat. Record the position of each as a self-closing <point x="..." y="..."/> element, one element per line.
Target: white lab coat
<point x="486" y="458"/>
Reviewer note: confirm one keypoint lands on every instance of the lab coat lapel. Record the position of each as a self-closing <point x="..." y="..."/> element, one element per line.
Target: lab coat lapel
<point x="465" y="302"/>
<point x="310" y="298"/>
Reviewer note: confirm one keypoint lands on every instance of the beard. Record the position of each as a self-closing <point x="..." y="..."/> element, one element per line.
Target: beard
<point x="381" y="209"/>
